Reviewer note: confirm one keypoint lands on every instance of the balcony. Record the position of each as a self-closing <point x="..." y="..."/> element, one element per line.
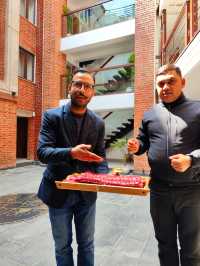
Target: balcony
<point x="97" y="16"/>
<point x="109" y="25"/>
<point x="178" y="28"/>
<point x="181" y="44"/>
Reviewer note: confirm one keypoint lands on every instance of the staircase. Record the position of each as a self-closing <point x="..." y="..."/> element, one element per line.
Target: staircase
<point x="117" y="125"/>
<point x="120" y="81"/>
<point x="121" y="131"/>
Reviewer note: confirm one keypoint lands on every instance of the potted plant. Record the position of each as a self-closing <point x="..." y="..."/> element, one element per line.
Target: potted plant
<point x="69" y="20"/>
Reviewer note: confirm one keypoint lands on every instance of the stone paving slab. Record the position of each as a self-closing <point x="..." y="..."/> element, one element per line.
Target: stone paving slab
<point x="124" y="233"/>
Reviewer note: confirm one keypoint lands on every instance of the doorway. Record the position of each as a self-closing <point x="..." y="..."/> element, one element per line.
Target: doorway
<point x="22" y="137"/>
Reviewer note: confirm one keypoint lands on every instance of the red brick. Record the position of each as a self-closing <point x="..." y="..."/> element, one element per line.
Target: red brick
<point x="7" y="132"/>
<point x="144" y="65"/>
<point x="27" y="35"/>
<point x="53" y="60"/>
<point x="26" y="95"/>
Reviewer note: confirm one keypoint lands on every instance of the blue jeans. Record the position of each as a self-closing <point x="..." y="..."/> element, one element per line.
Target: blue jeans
<point x="176" y="214"/>
<point x="61" y="223"/>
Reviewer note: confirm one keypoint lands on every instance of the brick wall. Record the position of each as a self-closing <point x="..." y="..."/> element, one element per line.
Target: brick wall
<point x="2" y="37"/>
<point x="26" y="102"/>
<point x="43" y="40"/>
<point x="26" y="95"/>
<point x="144" y="65"/>
<point x="27" y="36"/>
<point x="30" y="94"/>
<point x="53" y="61"/>
<point x="38" y="76"/>
<point x="7" y="105"/>
<point x="7" y="131"/>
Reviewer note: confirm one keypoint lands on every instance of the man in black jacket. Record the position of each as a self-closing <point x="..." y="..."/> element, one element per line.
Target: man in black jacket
<point x="170" y="134"/>
<point x="72" y="140"/>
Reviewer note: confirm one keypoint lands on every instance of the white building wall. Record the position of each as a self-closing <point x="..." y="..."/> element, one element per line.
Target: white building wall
<point x="10" y="82"/>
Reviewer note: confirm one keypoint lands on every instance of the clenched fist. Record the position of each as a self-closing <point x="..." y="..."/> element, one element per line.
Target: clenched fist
<point x="180" y="162"/>
<point x="133" y="145"/>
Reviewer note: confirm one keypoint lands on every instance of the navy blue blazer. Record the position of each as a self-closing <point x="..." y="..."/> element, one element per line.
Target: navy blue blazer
<point x="58" y="135"/>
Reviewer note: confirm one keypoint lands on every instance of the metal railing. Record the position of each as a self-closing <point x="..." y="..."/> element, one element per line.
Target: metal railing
<point x="108" y="80"/>
<point x="175" y="43"/>
<point x="114" y="80"/>
<point x="185" y="28"/>
<point x="97" y="16"/>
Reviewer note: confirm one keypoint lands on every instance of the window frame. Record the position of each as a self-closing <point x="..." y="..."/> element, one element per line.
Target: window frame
<point x="26" y="8"/>
<point x="26" y="54"/>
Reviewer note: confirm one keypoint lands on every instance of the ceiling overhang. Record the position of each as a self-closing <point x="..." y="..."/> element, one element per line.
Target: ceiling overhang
<point x="99" y="43"/>
<point x="111" y="102"/>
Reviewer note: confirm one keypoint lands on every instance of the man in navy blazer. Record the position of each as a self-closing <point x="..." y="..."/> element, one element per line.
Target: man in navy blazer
<point x="72" y="140"/>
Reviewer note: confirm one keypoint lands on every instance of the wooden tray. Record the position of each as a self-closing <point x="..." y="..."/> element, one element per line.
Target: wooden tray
<point x="105" y="188"/>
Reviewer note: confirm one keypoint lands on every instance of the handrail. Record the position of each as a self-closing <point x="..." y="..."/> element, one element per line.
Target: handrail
<point x="111" y="67"/>
<point x="105" y="63"/>
<point x="115" y="84"/>
<point x="180" y="16"/>
<point x="107" y="115"/>
<point x="73" y="23"/>
<point x="108" y="68"/>
<point x="87" y="7"/>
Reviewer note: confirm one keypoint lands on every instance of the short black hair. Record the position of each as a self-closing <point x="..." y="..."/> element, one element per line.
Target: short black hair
<point x="168" y="67"/>
<point x="83" y="71"/>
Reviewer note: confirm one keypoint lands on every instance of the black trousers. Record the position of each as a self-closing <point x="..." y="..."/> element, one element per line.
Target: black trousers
<point x="176" y="217"/>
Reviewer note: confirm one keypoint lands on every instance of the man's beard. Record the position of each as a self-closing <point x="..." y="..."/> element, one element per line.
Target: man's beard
<point x="78" y="105"/>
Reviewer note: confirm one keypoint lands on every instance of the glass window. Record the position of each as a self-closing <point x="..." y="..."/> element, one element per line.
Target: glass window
<point x="23" y="8"/>
<point x="31" y="11"/>
<point x="26" y="64"/>
<point x="27" y="9"/>
<point x="22" y="60"/>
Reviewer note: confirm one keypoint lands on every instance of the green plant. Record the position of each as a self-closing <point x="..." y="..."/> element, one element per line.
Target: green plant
<point x="123" y="79"/>
<point x="131" y="70"/>
<point x="69" y="19"/>
<point x="121" y="144"/>
<point x="65" y="10"/>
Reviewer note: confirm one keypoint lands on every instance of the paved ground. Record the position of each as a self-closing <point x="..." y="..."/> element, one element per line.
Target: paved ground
<point x="124" y="234"/>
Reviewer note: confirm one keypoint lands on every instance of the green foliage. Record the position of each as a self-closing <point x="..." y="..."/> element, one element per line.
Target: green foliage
<point x="65" y="10"/>
<point x="69" y="74"/>
<point x="121" y="80"/>
<point x="69" y="19"/>
<point x="130" y="71"/>
<point x="119" y="143"/>
<point x="100" y="90"/>
<point x="131" y="58"/>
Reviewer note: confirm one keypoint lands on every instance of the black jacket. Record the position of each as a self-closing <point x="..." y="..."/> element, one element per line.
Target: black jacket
<point x="58" y="135"/>
<point x="169" y="129"/>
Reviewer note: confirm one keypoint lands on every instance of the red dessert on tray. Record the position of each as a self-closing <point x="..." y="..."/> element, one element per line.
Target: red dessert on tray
<point x="107" y="179"/>
<point x="113" y="183"/>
